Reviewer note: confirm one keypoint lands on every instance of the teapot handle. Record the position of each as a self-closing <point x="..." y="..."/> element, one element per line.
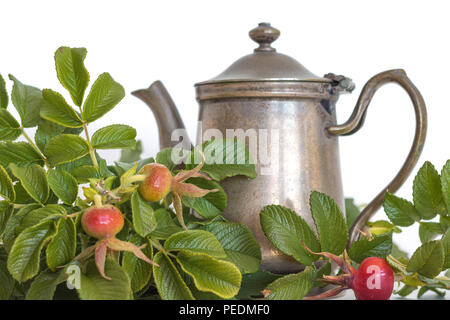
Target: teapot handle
<point x="355" y="122"/>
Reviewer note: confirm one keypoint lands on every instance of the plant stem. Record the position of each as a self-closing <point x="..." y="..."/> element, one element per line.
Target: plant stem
<point x="73" y="215"/>
<point x="135" y="178"/>
<point x="155" y="243"/>
<point x="91" y="149"/>
<point x="98" y="200"/>
<point x="33" y="145"/>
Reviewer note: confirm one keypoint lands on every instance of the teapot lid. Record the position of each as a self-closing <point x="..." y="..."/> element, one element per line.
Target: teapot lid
<point x="265" y="64"/>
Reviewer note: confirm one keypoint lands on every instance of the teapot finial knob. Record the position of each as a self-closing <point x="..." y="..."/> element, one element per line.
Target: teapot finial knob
<point x="264" y="34"/>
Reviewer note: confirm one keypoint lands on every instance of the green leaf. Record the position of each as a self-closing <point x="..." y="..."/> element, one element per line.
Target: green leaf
<point x="446" y="246"/>
<point x="46" y="130"/>
<point x="94" y="287"/>
<point x="103" y="169"/>
<point x="6" y="211"/>
<point x="62" y="248"/>
<point x="423" y="290"/>
<point x="84" y="173"/>
<point x="351" y="212"/>
<point x="223" y="158"/>
<point x="64" y="185"/>
<point x="6" y="186"/>
<point x="445" y="182"/>
<point x="23" y="260"/>
<point x="330" y="223"/>
<point x="7" y="282"/>
<point x="44" y="285"/>
<point x="131" y="154"/>
<point x="210" y="274"/>
<point x="400" y="211"/>
<point x="379" y="246"/>
<point x="141" y="163"/>
<point x="165" y="226"/>
<point x="122" y="167"/>
<point x="3" y="94"/>
<point x="138" y="270"/>
<point x="168" y="281"/>
<point x="26" y="217"/>
<point x="192" y="222"/>
<point x="9" y="127"/>
<point x="292" y="286"/>
<point x="72" y="165"/>
<point x="239" y="244"/>
<point x="427" y="260"/>
<point x="144" y="220"/>
<point x="381" y="226"/>
<point x="71" y="71"/>
<point x="65" y="148"/>
<point x="442" y="282"/>
<point x="164" y="157"/>
<point x="34" y="181"/>
<point x="429" y="231"/>
<point x="253" y="283"/>
<point x="444" y="222"/>
<point x="325" y="269"/>
<point x="115" y="136"/>
<point x="195" y="241"/>
<point x="37" y="215"/>
<point x="20" y="153"/>
<point x="406" y="291"/>
<point x="286" y="230"/>
<point x="12" y="227"/>
<point x="105" y="94"/>
<point x="427" y="192"/>
<point x="210" y="205"/>
<point x="22" y="197"/>
<point x="27" y="101"/>
<point x="55" y="108"/>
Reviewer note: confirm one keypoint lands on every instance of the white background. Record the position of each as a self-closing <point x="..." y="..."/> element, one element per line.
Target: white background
<point x="183" y="42"/>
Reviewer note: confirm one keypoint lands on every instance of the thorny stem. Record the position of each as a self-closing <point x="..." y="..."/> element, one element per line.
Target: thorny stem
<point x="33" y="145"/>
<point x="91" y="149"/>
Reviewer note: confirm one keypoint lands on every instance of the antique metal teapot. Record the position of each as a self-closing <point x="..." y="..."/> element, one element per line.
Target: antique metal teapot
<point x="270" y="91"/>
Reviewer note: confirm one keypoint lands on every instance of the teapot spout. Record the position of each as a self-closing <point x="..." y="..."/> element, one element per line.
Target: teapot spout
<point x="167" y="117"/>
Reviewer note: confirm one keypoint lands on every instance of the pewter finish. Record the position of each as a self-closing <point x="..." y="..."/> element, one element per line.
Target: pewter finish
<point x="267" y="90"/>
<point x="265" y="64"/>
<point x="308" y="159"/>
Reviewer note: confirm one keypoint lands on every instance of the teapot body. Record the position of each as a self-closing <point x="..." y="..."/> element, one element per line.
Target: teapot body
<point x="286" y="115"/>
<point x="292" y="150"/>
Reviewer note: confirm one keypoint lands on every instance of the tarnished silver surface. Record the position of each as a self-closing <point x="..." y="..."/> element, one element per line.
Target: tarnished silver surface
<point x="273" y="92"/>
<point x="265" y="63"/>
<point x="308" y="160"/>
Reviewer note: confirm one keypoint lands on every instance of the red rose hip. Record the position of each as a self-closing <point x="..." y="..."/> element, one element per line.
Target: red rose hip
<point x="157" y="183"/>
<point x="102" y="222"/>
<point x="373" y="280"/>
